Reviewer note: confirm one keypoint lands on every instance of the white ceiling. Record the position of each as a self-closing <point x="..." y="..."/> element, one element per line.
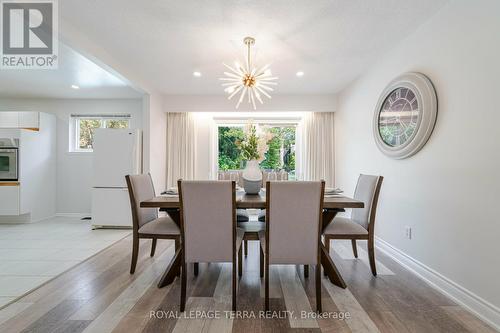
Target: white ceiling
<point x="73" y="69"/>
<point x="164" y="41"/>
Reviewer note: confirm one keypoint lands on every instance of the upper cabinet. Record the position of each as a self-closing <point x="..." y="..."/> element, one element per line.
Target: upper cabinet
<point x="9" y="119"/>
<point x="23" y="120"/>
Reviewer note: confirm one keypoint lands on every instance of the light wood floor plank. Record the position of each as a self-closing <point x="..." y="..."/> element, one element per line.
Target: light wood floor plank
<point x="335" y="324"/>
<point x="274" y="284"/>
<point x="72" y="326"/>
<point x="216" y="305"/>
<point x="386" y="321"/>
<point x="467" y="319"/>
<point x="138" y="317"/>
<point x="223" y="297"/>
<point x="295" y="297"/>
<point x="55" y="317"/>
<point x="94" y="307"/>
<point x="110" y="317"/>
<point x="360" y="321"/>
<point x="13" y="310"/>
<point x="344" y="250"/>
<point x="196" y="324"/>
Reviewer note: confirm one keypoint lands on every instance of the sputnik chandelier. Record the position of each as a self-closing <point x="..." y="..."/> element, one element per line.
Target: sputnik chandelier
<point x="248" y="81"/>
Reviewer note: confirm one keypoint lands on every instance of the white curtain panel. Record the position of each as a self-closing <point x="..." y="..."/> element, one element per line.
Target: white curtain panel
<point x="316" y="147"/>
<point x="180" y="147"/>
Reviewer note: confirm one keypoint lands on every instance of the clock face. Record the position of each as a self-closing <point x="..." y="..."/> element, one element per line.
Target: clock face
<point x="398" y="117"/>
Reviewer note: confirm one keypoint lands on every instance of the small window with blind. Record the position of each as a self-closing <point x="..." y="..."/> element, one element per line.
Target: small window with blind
<point x="83" y="126"/>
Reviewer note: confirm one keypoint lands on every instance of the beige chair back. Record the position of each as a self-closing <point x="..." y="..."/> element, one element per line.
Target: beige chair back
<point x="367" y="190"/>
<point x="208" y="220"/>
<point x="236" y="175"/>
<point x="294" y="216"/>
<point x="140" y="188"/>
<point x="280" y="175"/>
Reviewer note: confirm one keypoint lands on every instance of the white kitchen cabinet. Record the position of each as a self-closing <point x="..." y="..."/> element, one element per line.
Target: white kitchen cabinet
<point x="9" y="119"/>
<point x="20" y="120"/>
<point x="34" y="199"/>
<point x="30" y="120"/>
<point x="10" y="198"/>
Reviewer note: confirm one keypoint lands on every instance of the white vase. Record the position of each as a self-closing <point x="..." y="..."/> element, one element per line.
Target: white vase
<point x="252" y="177"/>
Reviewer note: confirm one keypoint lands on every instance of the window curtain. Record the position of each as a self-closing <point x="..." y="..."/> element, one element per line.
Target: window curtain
<point x="316" y="143"/>
<point x="180" y="147"/>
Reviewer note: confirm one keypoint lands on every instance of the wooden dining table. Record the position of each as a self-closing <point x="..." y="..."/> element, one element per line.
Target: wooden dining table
<point x="332" y="206"/>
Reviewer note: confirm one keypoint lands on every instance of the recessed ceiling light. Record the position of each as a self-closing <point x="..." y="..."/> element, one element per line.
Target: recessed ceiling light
<point x="300" y="73"/>
<point x="74" y="86"/>
<point x="197" y="74"/>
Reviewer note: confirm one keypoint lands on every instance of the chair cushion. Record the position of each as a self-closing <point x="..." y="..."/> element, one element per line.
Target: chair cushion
<point x="242" y="215"/>
<point x="344" y="226"/>
<point x="160" y="226"/>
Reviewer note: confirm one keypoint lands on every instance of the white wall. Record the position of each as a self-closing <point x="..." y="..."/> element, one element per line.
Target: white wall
<point x="74" y="170"/>
<point x="155" y="144"/>
<point x="448" y="193"/>
<point x="220" y="103"/>
<point x="38" y="169"/>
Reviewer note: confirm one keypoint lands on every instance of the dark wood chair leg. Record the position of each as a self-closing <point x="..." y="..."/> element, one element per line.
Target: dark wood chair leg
<point x="135" y="254"/>
<point x="153" y="247"/>
<point x="246" y="247"/>
<point x="306" y="271"/>
<point x="234" y="283"/>
<point x="371" y="256"/>
<point x="183" y="286"/>
<point x="327" y="246"/>
<point x="354" y="248"/>
<point x="318" y="288"/>
<point x="261" y="269"/>
<point x="266" y="287"/>
<point x="177" y="246"/>
<point x="240" y="262"/>
<point x="196" y="268"/>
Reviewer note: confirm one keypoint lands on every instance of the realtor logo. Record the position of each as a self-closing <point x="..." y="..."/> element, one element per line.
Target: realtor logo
<point x="29" y="34"/>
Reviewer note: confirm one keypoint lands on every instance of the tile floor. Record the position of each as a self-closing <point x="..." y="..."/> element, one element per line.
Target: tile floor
<point x="32" y="254"/>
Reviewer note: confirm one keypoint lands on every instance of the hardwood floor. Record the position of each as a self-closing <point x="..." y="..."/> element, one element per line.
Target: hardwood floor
<point x="100" y="295"/>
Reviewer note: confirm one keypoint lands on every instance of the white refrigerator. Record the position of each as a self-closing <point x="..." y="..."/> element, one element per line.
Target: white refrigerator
<point x="117" y="152"/>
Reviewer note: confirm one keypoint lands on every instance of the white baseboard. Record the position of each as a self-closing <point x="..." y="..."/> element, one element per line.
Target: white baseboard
<point x="22" y="219"/>
<point x="475" y="304"/>
<point x="75" y="215"/>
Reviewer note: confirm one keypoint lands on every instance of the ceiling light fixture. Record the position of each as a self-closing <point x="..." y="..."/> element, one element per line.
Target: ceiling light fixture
<point x="197" y="74"/>
<point x="300" y="73"/>
<point x="74" y="86"/>
<point x="248" y="80"/>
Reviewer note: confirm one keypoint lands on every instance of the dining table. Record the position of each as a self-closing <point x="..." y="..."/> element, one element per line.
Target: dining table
<point x="333" y="204"/>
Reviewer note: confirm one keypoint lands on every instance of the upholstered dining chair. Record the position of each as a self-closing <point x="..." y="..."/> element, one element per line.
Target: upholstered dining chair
<point x="208" y="227"/>
<point x="280" y="175"/>
<point x="241" y="214"/>
<point x="293" y="228"/>
<point x="145" y="221"/>
<point x="361" y="224"/>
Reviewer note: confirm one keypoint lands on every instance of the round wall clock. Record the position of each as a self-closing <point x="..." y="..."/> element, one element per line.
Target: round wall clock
<point x="405" y="115"/>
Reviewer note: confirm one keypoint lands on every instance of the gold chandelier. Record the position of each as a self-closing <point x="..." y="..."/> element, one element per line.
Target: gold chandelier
<point x="249" y="81"/>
